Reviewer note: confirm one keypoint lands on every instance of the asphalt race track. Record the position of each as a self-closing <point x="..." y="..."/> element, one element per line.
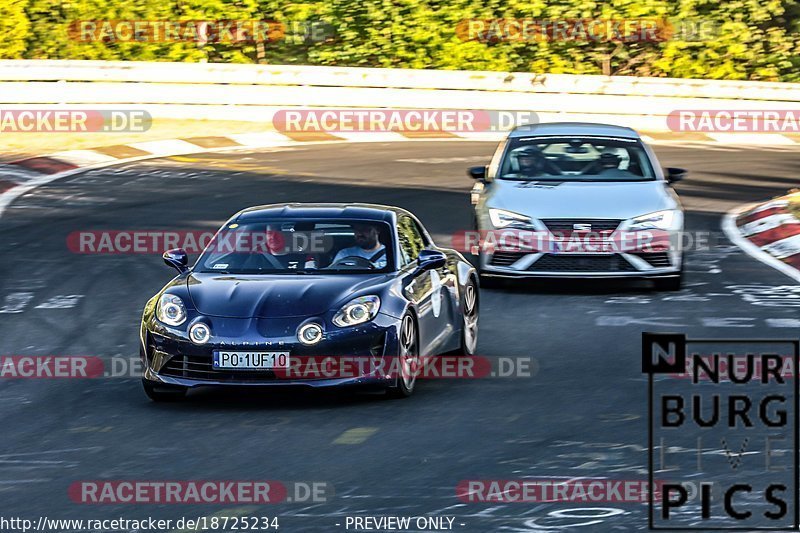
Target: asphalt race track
<point x="582" y="413"/>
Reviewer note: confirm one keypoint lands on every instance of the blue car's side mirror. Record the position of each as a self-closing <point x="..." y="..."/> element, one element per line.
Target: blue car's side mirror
<point x="177" y="259"/>
<point x="430" y="259"/>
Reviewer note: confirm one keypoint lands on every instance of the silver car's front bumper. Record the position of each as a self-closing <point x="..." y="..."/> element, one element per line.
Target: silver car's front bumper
<point x="568" y="265"/>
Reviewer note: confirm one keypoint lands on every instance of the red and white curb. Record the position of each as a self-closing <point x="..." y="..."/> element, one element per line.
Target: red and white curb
<point x="25" y="175"/>
<point x="22" y="176"/>
<point x="769" y="232"/>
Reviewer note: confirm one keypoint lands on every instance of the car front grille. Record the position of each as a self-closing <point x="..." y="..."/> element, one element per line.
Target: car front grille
<point x="568" y="224"/>
<point x="505" y="259"/>
<point x="581" y="263"/>
<point x="189" y="367"/>
<point x="655" y="259"/>
<point x="200" y="367"/>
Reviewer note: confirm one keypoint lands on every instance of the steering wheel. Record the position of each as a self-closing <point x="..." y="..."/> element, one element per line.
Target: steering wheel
<point x="594" y="166"/>
<point x="353" y="260"/>
<point x="553" y="167"/>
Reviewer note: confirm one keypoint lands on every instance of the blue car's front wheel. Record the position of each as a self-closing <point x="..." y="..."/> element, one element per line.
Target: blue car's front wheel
<point x="408" y="359"/>
<point x="469" y="333"/>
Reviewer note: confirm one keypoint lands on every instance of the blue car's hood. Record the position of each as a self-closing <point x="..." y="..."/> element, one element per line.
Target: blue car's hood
<point x="273" y="296"/>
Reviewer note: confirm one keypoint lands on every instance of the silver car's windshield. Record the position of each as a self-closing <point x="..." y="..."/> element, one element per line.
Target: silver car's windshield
<point x="576" y="159"/>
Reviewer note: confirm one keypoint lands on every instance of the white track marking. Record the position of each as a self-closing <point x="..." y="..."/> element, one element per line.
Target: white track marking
<point x="82" y="158"/>
<point x="16" y="302"/>
<point x="267" y="138"/>
<point x="67" y="301"/>
<point x="772" y="139"/>
<point x="371" y="136"/>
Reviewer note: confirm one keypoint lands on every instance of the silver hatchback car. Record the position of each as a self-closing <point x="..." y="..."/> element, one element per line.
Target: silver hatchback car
<point x="577" y="200"/>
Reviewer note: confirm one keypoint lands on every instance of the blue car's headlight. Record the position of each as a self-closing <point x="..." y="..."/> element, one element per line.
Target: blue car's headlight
<point x="357" y="311"/>
<point x="658" y="220"/>
<point x="170" y="310"/>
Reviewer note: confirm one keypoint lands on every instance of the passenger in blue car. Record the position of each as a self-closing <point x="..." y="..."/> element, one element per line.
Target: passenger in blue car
<point x="368" y="247"/>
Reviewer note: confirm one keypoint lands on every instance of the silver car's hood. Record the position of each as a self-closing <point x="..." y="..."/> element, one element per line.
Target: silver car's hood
<point x="616" y="200"/>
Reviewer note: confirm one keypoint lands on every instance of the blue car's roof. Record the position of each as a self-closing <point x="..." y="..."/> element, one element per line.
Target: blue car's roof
<point x="320" y="211"/>
<point x="573" y="128"/>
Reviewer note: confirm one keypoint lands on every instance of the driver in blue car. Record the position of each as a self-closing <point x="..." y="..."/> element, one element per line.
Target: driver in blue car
<point x="367" y="246"/>
<point x="280" y="256"/>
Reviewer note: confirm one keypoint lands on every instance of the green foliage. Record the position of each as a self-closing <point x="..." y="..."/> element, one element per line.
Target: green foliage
<point x="734" y="39"/>
<point x="14" y="28"/>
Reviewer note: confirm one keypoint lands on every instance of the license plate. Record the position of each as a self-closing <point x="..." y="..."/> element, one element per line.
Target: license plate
<point x="250" y="360"/>
<point x="604" y="246"/>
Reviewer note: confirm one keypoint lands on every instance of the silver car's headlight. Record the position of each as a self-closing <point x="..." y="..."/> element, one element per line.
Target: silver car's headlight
<point x="502" y="219"/>
<point x="357" y="311"/>
<point x="658" y="220"/>
<point x="170" y="310"/>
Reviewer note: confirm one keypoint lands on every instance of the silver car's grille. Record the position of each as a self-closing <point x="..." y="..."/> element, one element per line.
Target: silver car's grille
<point x="655" y="259"/>
<point x="568" y="224"/>
<point x="581" y="263"/>
<point x="507" y="258"/>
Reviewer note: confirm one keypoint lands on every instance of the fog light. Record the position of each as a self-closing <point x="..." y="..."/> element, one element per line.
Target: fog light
<point x="310" y="334"/>
<point x="199" y="333"/>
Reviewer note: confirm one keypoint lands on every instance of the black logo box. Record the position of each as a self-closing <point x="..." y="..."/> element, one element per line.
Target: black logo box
<point x="654" y="363"/>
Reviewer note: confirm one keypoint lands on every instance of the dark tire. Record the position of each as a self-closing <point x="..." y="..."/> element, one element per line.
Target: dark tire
<point x="163" y="393"/>
<point x="470" y="305"/>
<point x="408" y="359"/>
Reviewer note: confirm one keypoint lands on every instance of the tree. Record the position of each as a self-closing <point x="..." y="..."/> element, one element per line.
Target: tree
<point x="14" y="27"/>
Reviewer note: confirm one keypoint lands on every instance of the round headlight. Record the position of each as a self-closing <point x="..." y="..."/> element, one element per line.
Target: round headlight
<point x="200" y="333"/>
<point x="170" y="310"/>
<point x="310" y="334"/>
<point x="357" y="312"/>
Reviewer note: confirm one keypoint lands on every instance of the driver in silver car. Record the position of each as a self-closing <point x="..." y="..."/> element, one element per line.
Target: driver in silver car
<point x="367" y="246"/>
<point x="533" y="163"/>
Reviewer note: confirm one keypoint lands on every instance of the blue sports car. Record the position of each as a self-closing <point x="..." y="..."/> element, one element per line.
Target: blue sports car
<point x="314" y="295"/>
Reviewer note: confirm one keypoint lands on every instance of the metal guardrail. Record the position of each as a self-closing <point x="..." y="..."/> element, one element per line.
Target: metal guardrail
<point x="275" y="75"/>
<point x="252" y="92"/>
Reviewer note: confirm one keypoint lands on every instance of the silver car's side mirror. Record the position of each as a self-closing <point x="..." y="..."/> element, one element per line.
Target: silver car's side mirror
<point x="676" y="174"/>
<point x="477" y="173"/>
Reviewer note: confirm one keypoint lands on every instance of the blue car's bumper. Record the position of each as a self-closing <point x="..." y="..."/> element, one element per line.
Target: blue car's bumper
<point x="170" y="358"/>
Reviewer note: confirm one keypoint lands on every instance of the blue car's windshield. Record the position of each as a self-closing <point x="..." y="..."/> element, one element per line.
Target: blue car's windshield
<point x="287" y="246"/>
<point x="595" y="159"/>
